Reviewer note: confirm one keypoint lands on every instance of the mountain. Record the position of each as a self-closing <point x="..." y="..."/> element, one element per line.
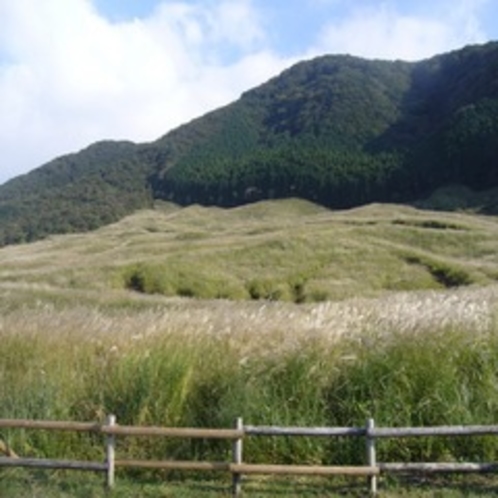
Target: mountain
<point x="337" y="130"/>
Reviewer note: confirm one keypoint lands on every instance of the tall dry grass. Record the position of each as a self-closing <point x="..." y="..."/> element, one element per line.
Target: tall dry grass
<point x="287" y="250"/>
<point x="405" y="359"/>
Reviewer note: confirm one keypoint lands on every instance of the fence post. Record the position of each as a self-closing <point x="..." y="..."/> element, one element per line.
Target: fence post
<point x="371" y="455"/>
<point x="110" y="452"/>
<point x="237" y="459"/>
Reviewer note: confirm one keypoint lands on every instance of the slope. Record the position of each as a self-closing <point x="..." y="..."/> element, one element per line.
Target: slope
<point x="337" y="130"/>
<point x="288" y="250"/>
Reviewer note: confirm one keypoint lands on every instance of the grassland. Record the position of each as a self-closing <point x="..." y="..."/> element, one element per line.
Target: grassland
<point x="283" y="250"/>
<point x="382" y="311"/>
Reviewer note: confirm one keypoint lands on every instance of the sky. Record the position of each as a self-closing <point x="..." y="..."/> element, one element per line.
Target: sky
<point x="73" y="72"/>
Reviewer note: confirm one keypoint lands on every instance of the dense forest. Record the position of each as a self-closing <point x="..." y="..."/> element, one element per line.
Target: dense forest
<point x="338" y="130"/>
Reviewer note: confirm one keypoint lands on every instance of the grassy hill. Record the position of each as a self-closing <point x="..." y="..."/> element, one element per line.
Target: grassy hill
<point x="285" y="250"/>
<point x="337" y="130"/>
<point x="333" y="316"/>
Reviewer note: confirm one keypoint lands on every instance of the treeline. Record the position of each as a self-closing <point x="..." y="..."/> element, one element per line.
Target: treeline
<point x="342" y="131"/>
<point x="335" y="178"/>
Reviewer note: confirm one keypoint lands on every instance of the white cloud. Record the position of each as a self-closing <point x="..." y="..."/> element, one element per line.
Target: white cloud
<point x="383" y="32"/>
<point x="465" y="17"/>
<point x="70" y="77"/>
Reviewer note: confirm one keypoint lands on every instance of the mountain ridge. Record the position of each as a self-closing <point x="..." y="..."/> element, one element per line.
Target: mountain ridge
<point x="337" y="130"/>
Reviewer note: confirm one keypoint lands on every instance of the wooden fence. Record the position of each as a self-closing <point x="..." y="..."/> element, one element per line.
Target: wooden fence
<point x="237" y="468"/>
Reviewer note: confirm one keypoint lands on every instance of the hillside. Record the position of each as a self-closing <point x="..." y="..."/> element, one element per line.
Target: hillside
<point x="337" y="130"/>
<point x="284" y="250"/>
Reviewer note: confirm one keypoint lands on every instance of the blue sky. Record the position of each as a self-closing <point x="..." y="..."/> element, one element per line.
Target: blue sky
<point x="76" y="71"/>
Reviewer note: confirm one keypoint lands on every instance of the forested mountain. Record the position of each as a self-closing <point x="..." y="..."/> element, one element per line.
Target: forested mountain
<point x="337" y="130"/>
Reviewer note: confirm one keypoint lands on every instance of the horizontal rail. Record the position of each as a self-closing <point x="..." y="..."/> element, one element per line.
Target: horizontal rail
<point x="254" y="430"/>
<point x="262" y="430"/>
<point x="39" y="463"/>
<point x="442" y="430"/>
<point x="246" y="468"/>
<point x="181" y="432"/>
<point x="435" y="468"/>
<point x="50" y="425"/>
<point x="174" y="465"/>
<point x="123" y="430"/>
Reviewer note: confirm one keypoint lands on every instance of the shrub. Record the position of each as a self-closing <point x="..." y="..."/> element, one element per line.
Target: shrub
<point x="148" y="279"/>
<point x="268" y="289"/>
<point x="444" y="273"/>
<point x="175" y="280"/>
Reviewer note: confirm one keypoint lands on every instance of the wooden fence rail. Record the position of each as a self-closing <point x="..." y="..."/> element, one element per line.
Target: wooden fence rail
<point x="237" y="468"/>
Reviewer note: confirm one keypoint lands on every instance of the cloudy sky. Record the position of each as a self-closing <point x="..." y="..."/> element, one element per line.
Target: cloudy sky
<point x="76" y="71"/>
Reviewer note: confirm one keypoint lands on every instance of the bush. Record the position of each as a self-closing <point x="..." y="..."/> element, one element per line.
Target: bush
<point x="444" y="273"/>
<point x="447" y="378"/>
<point x="268" y="289"/>
<point x="177" y="281"/>
<point x="148" y="279"/>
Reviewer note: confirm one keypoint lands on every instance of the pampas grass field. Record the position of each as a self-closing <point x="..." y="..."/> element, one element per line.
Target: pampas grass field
<point x="282" y="313"/>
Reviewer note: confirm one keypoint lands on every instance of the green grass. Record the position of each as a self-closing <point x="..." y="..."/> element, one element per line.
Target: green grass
<point x="30" y="484"/>
<point x="425" y="359"/>
<point x="410" y="339"/>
